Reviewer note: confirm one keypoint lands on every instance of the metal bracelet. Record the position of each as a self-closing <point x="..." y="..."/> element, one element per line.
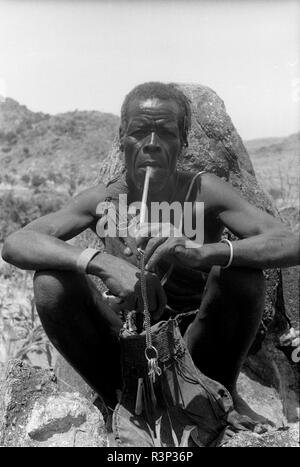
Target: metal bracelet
<point x="225" y="240"/>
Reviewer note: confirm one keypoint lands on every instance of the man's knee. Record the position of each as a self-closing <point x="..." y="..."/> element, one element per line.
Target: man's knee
<point x="52" y="289"/>
<point x="47" y="288"/>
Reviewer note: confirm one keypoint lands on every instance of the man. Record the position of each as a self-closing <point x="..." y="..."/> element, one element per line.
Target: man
<point x="224" y="280"/>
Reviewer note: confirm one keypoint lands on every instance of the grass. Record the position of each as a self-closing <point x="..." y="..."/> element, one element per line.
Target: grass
<point x="21" y="333"/>
<point x="281" y="181"/>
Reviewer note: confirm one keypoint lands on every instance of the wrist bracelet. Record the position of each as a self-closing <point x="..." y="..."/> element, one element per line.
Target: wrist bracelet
<point x="84" y="258"/>
<point x="225" y="240"/>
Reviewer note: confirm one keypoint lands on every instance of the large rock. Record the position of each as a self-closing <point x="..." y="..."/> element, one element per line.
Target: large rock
<point x="37" y="412"/>
<point x="286" y="437"/>
<point x="34" y="412"/>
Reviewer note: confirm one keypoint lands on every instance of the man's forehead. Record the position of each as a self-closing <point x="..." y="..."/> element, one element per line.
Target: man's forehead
<point x="154" y="107"/>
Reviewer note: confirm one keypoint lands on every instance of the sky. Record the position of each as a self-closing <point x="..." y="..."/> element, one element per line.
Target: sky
<point x="61" y="55"/>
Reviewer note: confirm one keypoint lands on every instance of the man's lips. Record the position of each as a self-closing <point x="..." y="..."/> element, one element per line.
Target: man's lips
<point x="150" y="164"/>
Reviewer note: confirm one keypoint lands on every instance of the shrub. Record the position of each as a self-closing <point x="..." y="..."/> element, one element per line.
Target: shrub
<point x="16" y="212"/>
<point x="26" y="151"/>
<point x="25" y="178"/>
<point x="37" y="180"/>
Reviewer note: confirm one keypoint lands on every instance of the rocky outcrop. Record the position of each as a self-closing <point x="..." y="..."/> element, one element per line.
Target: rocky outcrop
<point x="286" y="437"/>
<point x="35" y="412"/>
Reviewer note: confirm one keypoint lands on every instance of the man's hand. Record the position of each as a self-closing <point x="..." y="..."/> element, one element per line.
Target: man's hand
<point x="163" y="240"/>
<point x="123" y="280"/>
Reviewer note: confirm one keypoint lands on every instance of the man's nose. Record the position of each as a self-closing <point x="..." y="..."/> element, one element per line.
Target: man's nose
<point x="152" y="145"/>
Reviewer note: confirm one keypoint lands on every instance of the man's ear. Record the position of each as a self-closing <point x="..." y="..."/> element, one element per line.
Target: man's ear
<point x="185" y="133"/>
<point x="185" y="143"/>
<point x="182" y="152"/>
<point x="121" y="138"/>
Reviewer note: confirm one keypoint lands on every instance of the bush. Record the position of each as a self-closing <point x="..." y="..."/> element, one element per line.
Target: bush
<point x="26" y="151"/>
<point x="11" y="137"/>
<point x="55" y="177"/>
<point x="17" y="212"/>
<point x="6" y="149"/>
<point x="25" y="178"/>
<point x="37" y="180"/>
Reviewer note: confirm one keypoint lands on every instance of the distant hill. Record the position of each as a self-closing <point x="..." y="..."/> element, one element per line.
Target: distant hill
<point x="273" y="146"/>
<point x="277" y="165"/>
<point x="45" y="159"/>
<point x="277" y="159"/>
<point x="34" y="145"/>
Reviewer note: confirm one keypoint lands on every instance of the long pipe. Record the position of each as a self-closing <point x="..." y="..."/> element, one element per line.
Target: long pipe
<point x="145" y="194"/>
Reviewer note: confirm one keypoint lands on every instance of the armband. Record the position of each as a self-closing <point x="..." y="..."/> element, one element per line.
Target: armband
<point x="84" y="258"/>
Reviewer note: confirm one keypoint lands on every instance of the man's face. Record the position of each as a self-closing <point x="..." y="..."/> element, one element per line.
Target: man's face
<point x="152" y="137"/>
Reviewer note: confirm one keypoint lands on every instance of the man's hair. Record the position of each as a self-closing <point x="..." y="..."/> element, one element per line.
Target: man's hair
<point x="163" y="91"/>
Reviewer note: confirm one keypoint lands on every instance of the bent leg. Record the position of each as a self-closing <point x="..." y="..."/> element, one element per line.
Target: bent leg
<point x="81" y="326"/>
<point x="228" y="319"/>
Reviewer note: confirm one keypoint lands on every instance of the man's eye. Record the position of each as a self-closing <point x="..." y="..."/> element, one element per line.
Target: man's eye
<point x="167" y="133"/>
<point x="139" y="133"/>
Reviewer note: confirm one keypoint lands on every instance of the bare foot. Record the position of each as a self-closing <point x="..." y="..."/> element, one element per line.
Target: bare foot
<point x="244" y="409"/>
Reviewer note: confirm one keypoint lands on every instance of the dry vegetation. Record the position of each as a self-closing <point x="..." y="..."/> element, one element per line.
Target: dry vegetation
<point x="44" y="160"/>
<point x="280" y="178"/>
<point x="21" y="334"/>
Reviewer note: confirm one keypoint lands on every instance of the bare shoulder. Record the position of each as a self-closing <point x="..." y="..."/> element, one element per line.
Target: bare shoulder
<point x="88" y="199"/>
<point x="214" y="191"/>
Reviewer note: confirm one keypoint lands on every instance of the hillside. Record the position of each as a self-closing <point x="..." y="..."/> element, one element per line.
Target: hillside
<point x="273" y="146"/>
<point x="277" y="165"/>
<point x="58" y="147"/>
<point x="258" y="143"/>
<point x="45" y="159"/>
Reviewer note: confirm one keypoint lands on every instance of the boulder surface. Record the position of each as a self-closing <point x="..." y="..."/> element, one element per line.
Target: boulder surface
<point x="34" y="412"/>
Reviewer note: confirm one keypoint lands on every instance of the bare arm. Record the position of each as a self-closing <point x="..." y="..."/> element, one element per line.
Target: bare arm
<point x="264" y="242"/>
<point x="42" y="243"/>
